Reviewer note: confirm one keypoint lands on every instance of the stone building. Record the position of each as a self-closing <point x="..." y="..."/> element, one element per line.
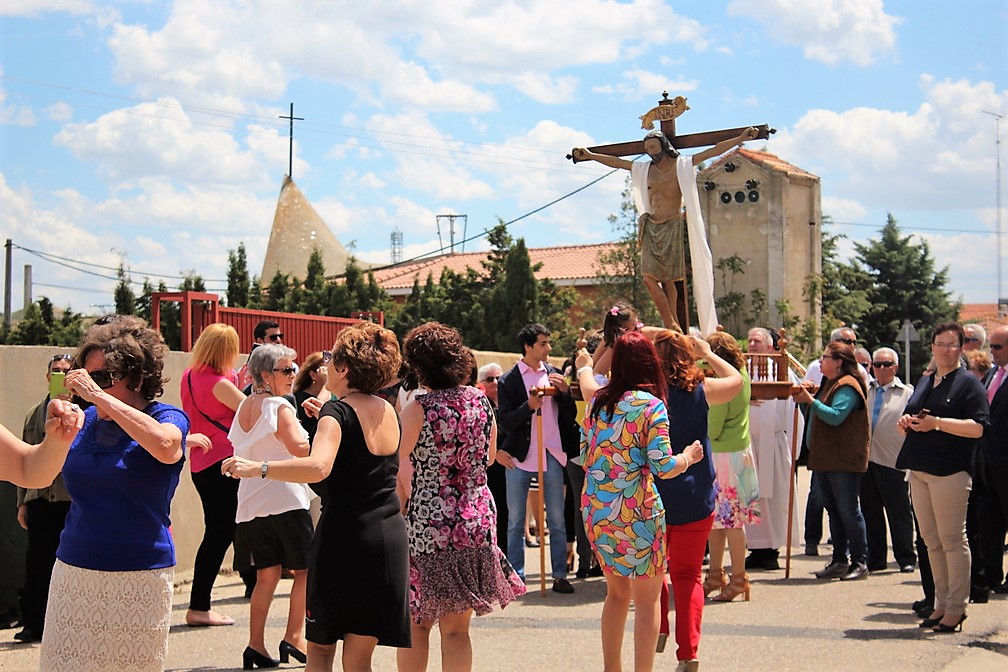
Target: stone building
<point x="767" y="212"/>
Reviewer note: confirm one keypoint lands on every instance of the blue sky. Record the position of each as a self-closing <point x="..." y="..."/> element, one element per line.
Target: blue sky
<point x="148" y="132"/>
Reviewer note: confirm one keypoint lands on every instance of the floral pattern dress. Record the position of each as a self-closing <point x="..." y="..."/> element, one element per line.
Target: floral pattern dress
<point x="455" y="563"/>
<point x="624" y="516"/>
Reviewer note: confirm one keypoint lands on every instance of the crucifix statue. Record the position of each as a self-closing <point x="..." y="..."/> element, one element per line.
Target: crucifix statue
<point x="662" y="186"/>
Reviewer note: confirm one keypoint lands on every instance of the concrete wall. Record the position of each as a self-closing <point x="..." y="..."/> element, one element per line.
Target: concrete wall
<point x="22" y="370"/>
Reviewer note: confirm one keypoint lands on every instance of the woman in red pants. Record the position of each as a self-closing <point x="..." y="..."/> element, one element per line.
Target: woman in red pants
<point x="689" y="499"/>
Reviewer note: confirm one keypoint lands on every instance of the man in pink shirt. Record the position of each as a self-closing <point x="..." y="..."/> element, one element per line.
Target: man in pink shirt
<point x="531" y="386"/>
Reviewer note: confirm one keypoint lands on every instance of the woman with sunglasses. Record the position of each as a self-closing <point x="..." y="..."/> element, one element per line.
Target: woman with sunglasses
<point x="274" y="528"/>
<point x="310" y="383"/>
<point x="944" y="418"/>
<point x="110" y="597"/>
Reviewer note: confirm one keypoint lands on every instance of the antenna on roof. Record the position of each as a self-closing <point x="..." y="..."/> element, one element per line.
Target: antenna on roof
<point x="451" y="230"/>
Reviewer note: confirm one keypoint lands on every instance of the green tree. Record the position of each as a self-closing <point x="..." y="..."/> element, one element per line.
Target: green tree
<point x="239" y="284"/>
<point x="515" y="301"/>
<point x="125" y="298"/>
<point x="142" y="308"/>
<point x="40" y="326"/>
<point x="904" y="285"/>
<point x="315" y="298"/>
<point x="276" y="293"/>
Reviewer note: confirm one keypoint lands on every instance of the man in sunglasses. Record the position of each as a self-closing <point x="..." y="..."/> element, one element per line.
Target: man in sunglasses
<point x="976" y="337"/>
<point x="994" y="445"/>
<point x="884" y="490"/>
<point x="43" y="514"/>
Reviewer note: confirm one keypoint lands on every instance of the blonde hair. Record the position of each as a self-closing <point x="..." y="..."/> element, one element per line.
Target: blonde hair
<point x="216" y="348"/>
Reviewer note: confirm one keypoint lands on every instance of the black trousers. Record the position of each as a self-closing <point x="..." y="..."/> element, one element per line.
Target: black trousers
<point x="814" y="510"/>
<point x="219" y="497"/>
<point x="885" y="494"/>
<point x="994" y="519"/>
<point x="45" y="523"/>
<point x="498" y="488"/>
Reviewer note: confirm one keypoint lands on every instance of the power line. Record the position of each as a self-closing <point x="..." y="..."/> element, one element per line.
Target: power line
<point x="49" y="256"/>
<point x="912" y="228"/>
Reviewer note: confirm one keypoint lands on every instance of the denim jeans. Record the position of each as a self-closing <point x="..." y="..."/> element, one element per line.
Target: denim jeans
<point x="839" y="491"/>
<point x="518" y="482"/>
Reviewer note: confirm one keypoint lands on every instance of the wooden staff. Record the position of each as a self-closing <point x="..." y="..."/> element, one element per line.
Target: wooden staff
<point x="541" y="503"/>
<point x="791" y="491"/>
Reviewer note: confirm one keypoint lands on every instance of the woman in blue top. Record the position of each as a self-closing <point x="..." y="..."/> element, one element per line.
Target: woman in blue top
<point x="837" y="435"/>
<point x="111" y="592"/>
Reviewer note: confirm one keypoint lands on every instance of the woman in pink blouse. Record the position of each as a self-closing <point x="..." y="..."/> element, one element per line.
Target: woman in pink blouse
<point x="210" y="397"/>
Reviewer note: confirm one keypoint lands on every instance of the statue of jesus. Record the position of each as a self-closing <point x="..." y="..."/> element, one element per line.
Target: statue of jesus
<point x="660" y="185"/>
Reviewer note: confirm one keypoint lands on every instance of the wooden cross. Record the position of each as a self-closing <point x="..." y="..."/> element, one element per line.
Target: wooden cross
<point x="665" y="113"/>
<point x="290" y="154"/>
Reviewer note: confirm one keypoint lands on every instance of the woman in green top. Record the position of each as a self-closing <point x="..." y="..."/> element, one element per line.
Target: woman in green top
<point x="735" y="488"/>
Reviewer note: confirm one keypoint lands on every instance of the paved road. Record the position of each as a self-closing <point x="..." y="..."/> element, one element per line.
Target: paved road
<point x="791" y="624"/>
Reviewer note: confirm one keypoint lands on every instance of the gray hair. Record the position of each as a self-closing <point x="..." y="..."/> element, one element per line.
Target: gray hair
<point x="265" y="358"/>
<point x="978" y="332"/>
<point x="487" y="368"/>
<point x="837" y="333"/>
<point x="861" y="351"/>
<point x="887" y="351"/>
<point x="765" y="333"/>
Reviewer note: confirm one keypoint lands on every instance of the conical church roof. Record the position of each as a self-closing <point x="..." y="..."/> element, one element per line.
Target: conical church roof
<point x="297" y="228"/>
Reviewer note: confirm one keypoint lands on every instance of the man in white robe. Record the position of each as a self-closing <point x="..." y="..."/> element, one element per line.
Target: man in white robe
<point x="771" y="423"/>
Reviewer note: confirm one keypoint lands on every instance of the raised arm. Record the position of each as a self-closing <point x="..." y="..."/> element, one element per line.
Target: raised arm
<point x="722" y="389"/>
<point x="31" y="466"/>
<point x="723" y="146"/>
<point x="582" y="154"/>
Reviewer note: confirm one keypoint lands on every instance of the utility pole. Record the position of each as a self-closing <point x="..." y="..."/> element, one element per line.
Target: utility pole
<point x="290" y="152"/>
<point x="451" y="230"/>
<point x="7" y="283"/>
<point x="997" y="148"/>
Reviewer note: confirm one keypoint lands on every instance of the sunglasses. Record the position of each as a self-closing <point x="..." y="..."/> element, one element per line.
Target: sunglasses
<point x="971" y="339"/>
<point x="847" y="341"/>
<point x="57" y="358"/>
<point x="287" y="370"/>
<point x="102" y="378"/>
<point x="326" y="356"/>
<point x="491" y="379"/>
<point x="275" y="337"/>
<point x="996" y="346"/>
<point x="882" y="365"/>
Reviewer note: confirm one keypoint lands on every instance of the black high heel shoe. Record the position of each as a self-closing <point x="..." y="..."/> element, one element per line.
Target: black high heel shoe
<point x="945" y="629"/>
<point x="288" y="651"/>
<point x="252" y="658"/>
<point x="931" y="622"/>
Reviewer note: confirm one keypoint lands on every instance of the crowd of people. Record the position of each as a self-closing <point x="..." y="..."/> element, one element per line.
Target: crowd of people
<point x="651" y="451"/>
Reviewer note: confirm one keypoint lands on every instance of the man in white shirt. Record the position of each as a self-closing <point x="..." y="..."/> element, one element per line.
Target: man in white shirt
<point x="884" y="490"/>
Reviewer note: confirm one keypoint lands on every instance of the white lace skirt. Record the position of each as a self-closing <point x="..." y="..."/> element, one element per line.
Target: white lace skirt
<point x="107" y="620"/>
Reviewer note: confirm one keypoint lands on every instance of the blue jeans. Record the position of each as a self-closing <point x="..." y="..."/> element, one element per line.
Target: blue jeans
<point x="839" y="491"/>
<point x="518" y="482"/>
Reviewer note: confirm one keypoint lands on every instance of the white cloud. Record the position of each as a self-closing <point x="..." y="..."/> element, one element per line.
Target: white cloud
<point x="543" y="88"/>
<point x="828" y="31"/>
<point x="14" y="114"/>
<point x="60" y="112"/>
<point x="843" y="209"/>
<point x="937" y="157"/>
<point x="160" y="139"/>
<point x="643" y="84"/>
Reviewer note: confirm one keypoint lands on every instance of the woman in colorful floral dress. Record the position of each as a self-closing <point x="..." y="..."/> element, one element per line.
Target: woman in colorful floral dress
<point x="736" y="490"/>
<point x="449" y="435"/>
<point x="625" y="444"/>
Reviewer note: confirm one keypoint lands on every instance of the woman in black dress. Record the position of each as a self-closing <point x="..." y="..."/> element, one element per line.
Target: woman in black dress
<point x="358" y="573"/>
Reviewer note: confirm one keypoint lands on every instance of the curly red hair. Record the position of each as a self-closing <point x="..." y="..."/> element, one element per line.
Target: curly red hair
<point x="678" y="361"/>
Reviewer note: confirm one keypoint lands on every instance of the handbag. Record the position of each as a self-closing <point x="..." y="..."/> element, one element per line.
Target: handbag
<point x="208" y="418"/>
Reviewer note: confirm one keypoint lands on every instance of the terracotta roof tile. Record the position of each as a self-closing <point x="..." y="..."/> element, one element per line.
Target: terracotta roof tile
<point x="565" y="265"/>
<point x="771" y="161"/>
<point x="985" y="314"/>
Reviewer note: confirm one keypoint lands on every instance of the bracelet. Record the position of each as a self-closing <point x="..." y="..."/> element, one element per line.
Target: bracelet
<point x="583" y="368"/>
<point x="938" y="425"/>
<point x="265" y="468"/>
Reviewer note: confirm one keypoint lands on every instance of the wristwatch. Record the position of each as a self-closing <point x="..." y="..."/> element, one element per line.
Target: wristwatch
<point x="265" y="468"/>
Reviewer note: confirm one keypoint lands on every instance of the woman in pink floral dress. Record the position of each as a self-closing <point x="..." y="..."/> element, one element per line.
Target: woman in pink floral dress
<point x="625" y="445"/>
<point x="449" y="436"/>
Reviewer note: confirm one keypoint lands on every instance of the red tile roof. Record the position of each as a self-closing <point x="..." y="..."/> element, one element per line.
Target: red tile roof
<point x="565" y="265"/>
<point x="768" y="160"/>
<point x="985" y="314"/>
